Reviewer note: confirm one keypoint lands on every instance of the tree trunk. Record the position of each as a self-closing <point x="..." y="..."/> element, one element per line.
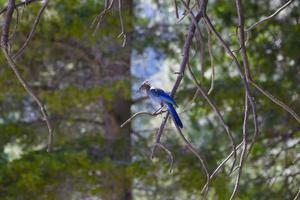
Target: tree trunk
<point x="116" y="111"/>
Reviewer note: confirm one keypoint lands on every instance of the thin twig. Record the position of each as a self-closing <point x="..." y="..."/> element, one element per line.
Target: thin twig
<point x="211" y="57"/>
<point x="246" y="67"/>
<point x="201" y="39"/>
<point x="246" y="79"/>
<point x="25" y="85"/>
<point x="187" y="8"/>
<point x="269" y="17"/>
<point x="184" y="13"/>
<point x="276" y="101"/>
<point x="169" y="153"/>
<point x="16" y="25"/>
<point x="98" y="19"/>
<point x="297" y="195"/>
<point x="194" y="151"/>
<point x="140" y="113"/>
<point x="247" y="96"/>
<point x="190" y="103"/>
<point x="159" y="133"/>
<point x="36" y="22"/>
<point x="176" y="9"/>
<point x="12" y="64"/>
<point x="216" y="110"/>
<point x="122" y="34"/>
<point x="244" y="150"/>
<point x="221" y="165"/>
<point x="229" y="52"/>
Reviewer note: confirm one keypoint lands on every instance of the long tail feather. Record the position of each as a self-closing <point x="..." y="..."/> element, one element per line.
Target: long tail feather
<point x="175" y="115"/>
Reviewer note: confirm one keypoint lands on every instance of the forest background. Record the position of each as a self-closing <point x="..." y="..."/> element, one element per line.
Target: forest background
<point x="69" y="78"/>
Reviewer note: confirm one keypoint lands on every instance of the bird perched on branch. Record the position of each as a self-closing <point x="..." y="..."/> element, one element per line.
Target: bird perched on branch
<point x="163" y="98"/>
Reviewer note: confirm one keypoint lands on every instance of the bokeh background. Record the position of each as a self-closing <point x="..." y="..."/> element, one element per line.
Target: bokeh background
<point x="89" y="84"/>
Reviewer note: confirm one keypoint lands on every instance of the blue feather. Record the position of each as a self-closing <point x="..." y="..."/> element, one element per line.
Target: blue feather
<point x="165" y="97"/>
<point x="175" y="115"/>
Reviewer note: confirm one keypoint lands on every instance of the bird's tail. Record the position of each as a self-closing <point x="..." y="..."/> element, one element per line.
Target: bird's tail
<point x="175" y="115"/>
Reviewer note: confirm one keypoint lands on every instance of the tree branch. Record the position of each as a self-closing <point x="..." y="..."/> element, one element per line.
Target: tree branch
<point x="36" y="22"/>
<point x="23" y="3"/>
<point x="12" y="64"/>
<point x="183" y="64"/>
<point x="140" y="113"/>
<point x="269" y="17"/>
<point x="194" y="151"/>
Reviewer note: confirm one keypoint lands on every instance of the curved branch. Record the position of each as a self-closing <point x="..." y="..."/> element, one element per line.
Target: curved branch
<point x="169" y="153"/>
<point x="140" y="113"/>
<point x="229" y="52"/>
<point x="194" y="151"/>
<point x="221" y="165"/>
<point x="276" y="101"/>
<point x="269" y="17"/>
<point x="297" y="195"/>
<point x="13" y="66"/>
<point x="25" y="85"/>
<point x="36" y="22"/>
<point x="216" y="110"/>
<point x="98" y="19"/>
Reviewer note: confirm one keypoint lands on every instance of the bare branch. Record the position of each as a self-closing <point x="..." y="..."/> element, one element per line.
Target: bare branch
<point x="23" y="3"/>
<point x="169" y="153"/>
<point x="12" y="64"/>
<point x="194" y="151"/>
<point x="36" y="22"/>
<point x="276" y="101"/>
<point x="229" y="52"/>
<point x="216" y="110"/>
<point x="25" y="85"/>
<point x="246" y="79"/>
<point x="247" y="96"/>
<point x="183" y="64"/>
<point x="176" y="9"/>
<point x="6" y="24"/>
<point x="244" y="150"/>
<point x="297" y="195"/>
<point x="269" y="17"/>
<point x="159" y="133"/>
<point x="221" y="165"/>
<point x="16" y="26"/>
<point x="201" y="39"/>
<point x="140" y="113"/>
<point x="98" y="19"/>
<point x="212" y="66"/>
<point x="122" y="34"/>
<point x="190" y="103"/>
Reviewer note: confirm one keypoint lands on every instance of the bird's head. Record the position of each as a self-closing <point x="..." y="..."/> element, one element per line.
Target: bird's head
<point x="145" y="86"/>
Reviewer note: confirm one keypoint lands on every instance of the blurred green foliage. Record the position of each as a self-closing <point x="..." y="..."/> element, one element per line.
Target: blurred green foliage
<point x="60" y="66"/>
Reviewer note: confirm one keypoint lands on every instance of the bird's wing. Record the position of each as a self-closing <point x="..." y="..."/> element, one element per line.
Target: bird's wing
<point x="165" y="97"/>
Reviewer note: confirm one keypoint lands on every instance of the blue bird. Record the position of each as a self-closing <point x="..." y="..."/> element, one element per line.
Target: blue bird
<point x="161" y="97"/>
